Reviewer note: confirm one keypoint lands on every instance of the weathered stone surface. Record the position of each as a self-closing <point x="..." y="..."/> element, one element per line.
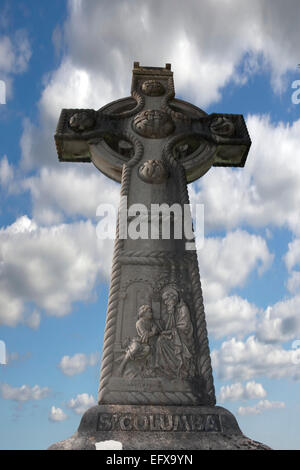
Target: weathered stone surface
<point x="159" y="428"/>
<point x="156" y="387"/>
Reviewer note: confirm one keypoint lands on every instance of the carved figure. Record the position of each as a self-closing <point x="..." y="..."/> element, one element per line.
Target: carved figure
<point x="139" y="347"/>
<point x="175" y="344"/>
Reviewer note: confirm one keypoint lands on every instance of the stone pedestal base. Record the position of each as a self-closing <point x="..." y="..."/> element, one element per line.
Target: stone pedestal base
<point x="159" y="428"/>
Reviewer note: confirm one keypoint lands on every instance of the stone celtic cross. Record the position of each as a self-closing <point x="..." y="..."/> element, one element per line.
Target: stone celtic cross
<point x="156" y="348"/>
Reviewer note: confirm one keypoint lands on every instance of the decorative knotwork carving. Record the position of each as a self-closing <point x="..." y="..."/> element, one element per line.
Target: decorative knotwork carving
<point x="83" y="121"/>
<point x="222" y="126"/>
<point x="127" y="113"/>
<point x="153" y="88"/>
<point x="153" y="171"/>
<point x="153" y="123"/>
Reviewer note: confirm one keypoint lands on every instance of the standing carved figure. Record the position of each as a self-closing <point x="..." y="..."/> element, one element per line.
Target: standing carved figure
<point x="175" y="344"/>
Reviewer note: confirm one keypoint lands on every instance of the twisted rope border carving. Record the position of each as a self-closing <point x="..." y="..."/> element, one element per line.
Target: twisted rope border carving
<point x="152" y="398"/>
<point x="165" y="103"/>
<point x="140" y="102"/>
<point x="153" y="258"/>
<point x="204" y="361"/>
<point x="112" y="308"/>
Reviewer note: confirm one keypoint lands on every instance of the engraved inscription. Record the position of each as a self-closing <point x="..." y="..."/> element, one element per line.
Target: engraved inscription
<point x="159" y="422"/>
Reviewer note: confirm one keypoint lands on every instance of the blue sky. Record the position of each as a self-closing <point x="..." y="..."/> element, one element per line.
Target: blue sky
<point x="236" y="57"/>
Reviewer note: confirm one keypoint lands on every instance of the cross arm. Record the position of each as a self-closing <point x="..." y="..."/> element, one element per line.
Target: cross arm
<point x="211" y="140"/>
<point x="229" y="134"/>
<point x="75" y="127"/>
<point x="85" y="135"/>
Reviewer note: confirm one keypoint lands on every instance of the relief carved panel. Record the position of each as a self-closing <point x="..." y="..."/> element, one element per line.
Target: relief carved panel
<point x="163" y="343"/>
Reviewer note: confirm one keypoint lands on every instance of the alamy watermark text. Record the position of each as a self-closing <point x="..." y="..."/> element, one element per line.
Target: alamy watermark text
<point x="158" y="221"/>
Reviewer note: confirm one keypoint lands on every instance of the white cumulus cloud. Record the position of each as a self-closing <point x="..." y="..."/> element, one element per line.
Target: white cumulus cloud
<point x="279" y="322"/>
<point x="81" y="403"/>
<point x="57" y="414"/>
<point x="238" y="360"/>
<point x="260" y="407"/>
<point x="49" y="266"/>
<point x="78" y="363"/>
<point x="23" y="393"/>
<point x="72" y="190"/>
<point x="6" y="172"/>
<point x="15" y="52"/>
<point x="238" y="391"/>
<point x="230" y="316"/>
<point x="226" y="262"/>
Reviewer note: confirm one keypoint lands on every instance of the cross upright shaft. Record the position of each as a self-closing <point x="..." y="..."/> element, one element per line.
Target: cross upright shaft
<point x="155" y="346"/>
